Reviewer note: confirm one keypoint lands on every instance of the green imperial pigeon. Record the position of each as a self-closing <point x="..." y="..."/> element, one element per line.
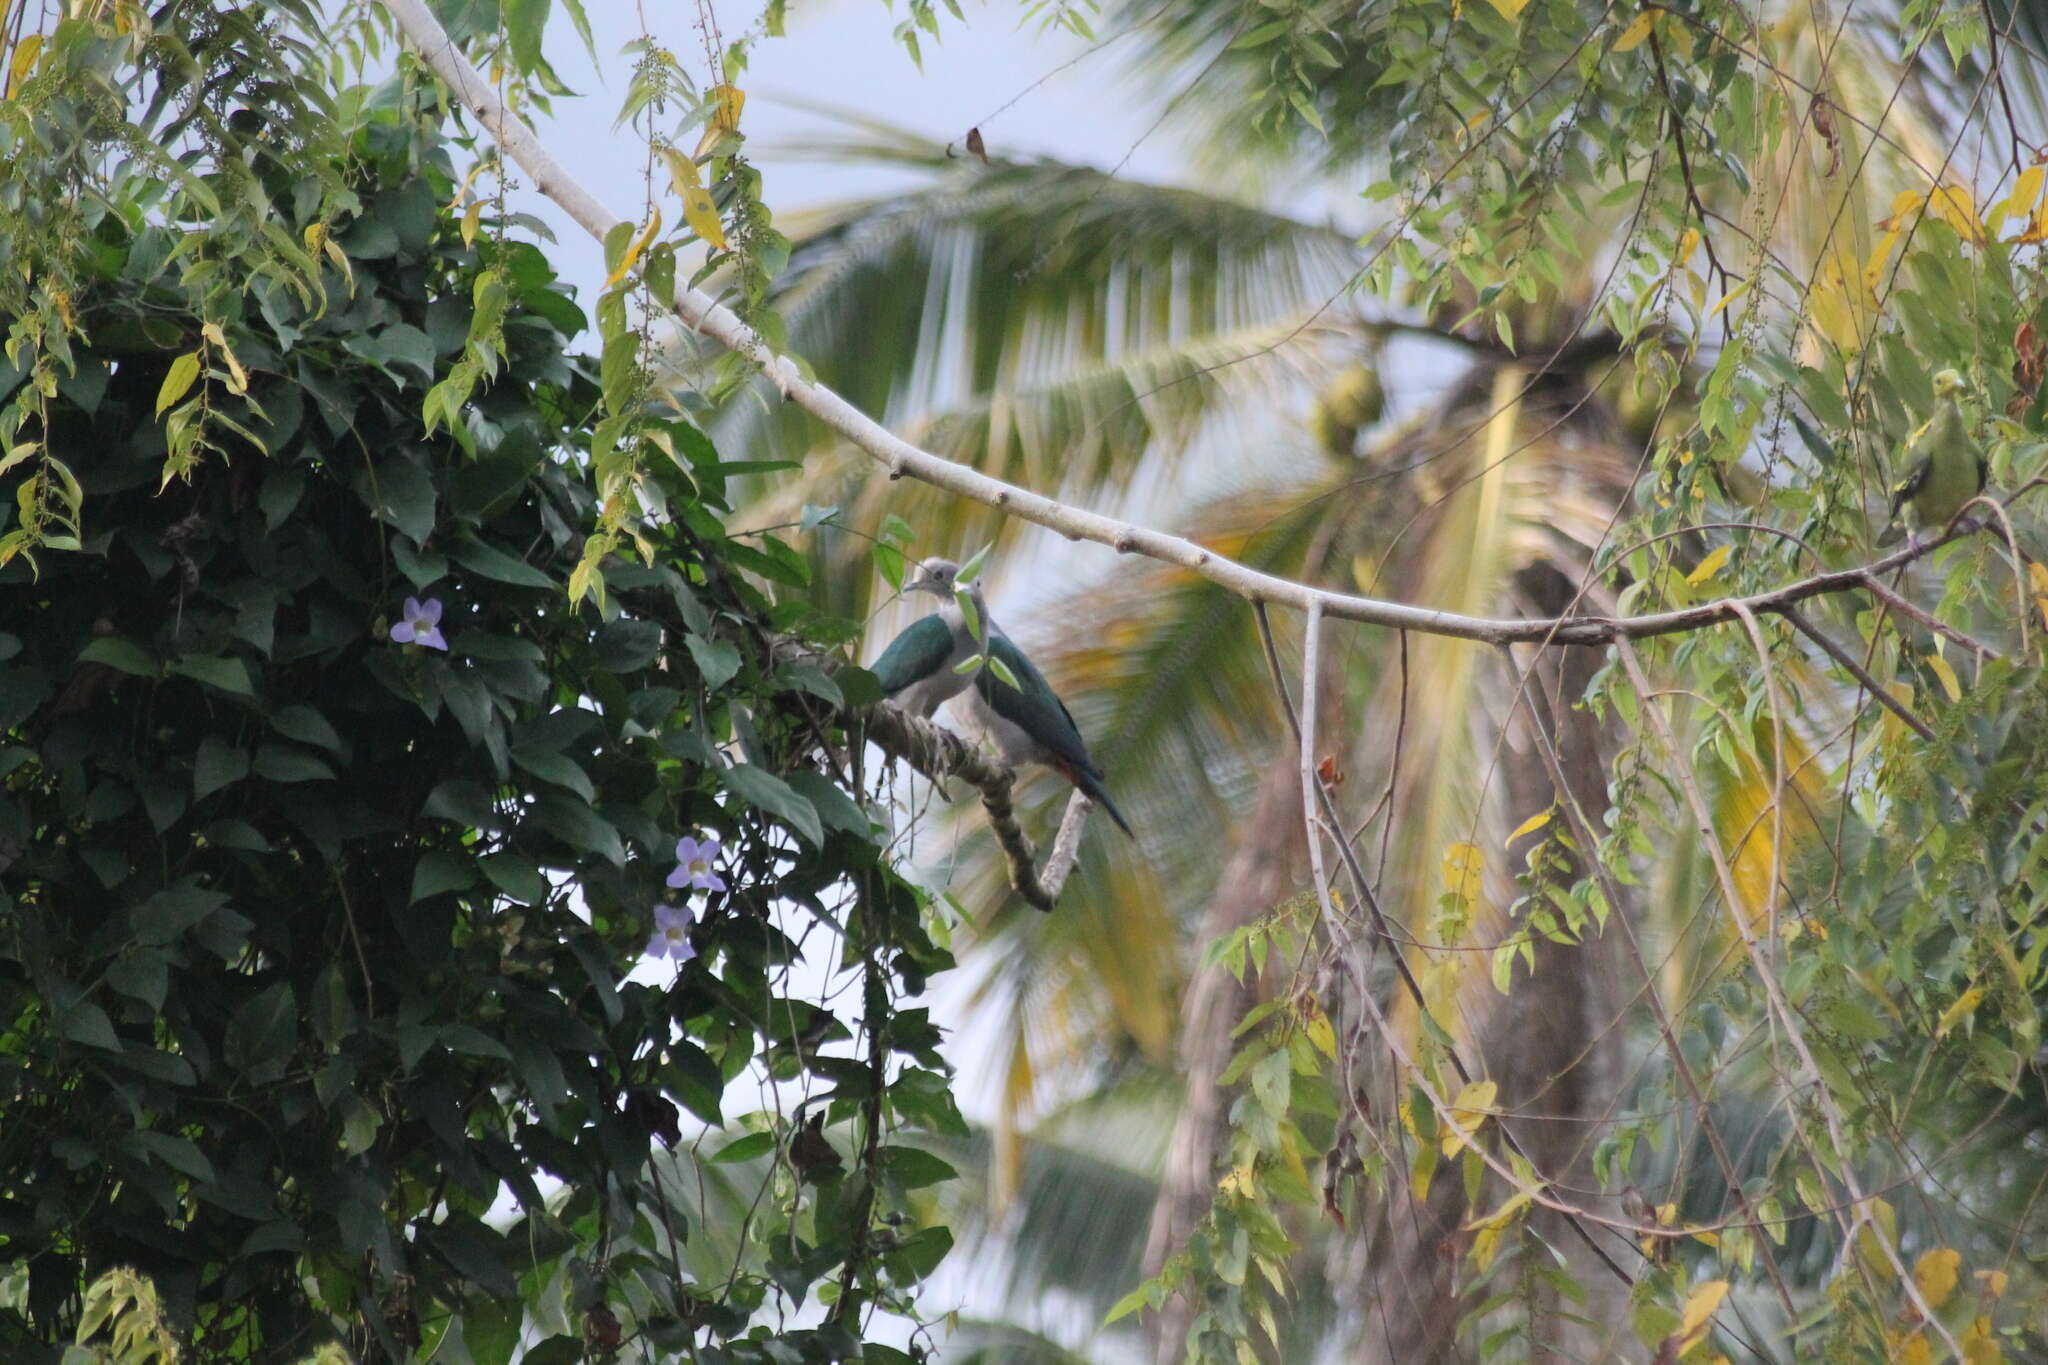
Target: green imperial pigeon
<point x="1944" y="467"/>
<point x="1030" y="724"/>
<point x="917" y="669"/>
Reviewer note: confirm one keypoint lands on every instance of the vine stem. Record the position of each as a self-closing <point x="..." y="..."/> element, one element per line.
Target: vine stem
<point x="900" y="458"/>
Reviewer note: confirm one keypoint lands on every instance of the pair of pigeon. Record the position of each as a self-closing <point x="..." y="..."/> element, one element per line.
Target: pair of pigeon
<point x="921" y="671"/>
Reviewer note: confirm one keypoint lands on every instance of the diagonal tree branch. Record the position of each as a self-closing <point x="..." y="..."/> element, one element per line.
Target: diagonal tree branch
<point x="900" y="458"/>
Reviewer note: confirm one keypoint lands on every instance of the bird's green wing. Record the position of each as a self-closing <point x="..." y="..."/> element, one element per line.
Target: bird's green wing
<point x="1032" y="706"/>
<point x="1036" y="709"/>
<point x="917" y="653"/>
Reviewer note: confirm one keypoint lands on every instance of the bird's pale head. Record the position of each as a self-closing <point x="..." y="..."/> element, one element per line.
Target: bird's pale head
<point x="935" y="576"/>
<point x="1948" y="383"/>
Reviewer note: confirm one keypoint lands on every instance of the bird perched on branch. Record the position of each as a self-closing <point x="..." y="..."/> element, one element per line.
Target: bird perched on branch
<point x="1945" y="468"/>
<point x="1029" y="723"/>
<point x="958" y="646"/>
<point x="920" y="670"/>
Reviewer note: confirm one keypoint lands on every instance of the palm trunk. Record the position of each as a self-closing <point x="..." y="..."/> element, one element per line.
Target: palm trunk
<point x="1551" y="1046"/>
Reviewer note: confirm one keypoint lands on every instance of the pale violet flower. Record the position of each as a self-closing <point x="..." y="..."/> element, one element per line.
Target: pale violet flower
<point x="693" y="865"/>
<point x="421" y="624"/>
<point x="671" y="937"/>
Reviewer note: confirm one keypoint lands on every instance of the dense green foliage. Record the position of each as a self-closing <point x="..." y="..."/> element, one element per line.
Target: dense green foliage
<point x="313" y="944"/>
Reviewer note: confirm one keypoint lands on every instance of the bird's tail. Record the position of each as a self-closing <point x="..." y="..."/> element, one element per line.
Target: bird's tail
<point x="1091" y="785"/>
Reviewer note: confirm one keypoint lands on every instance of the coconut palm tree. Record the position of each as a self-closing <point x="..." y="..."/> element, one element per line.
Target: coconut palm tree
<point x="1193" y="360"/>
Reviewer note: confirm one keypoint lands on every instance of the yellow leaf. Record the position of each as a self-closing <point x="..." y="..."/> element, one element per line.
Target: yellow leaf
<point x="633" y="249"/>
<point x="1485" y="1246"/>
<point x="1737" y="292"/>
<point x="462" y="190"/>
<point x="1316" y="1025"/>
<point x="1532" y="824"/>
<point x="1632" y="37"/>
<point x="2037" y="226"/>
<point x="731" y="99"/>
<point x="1994" y="1282"/>
<point x="2026" y="194"/>
<point x="1688" y="244"/>
<point x="1711" y="565"/>
<point x="1946" y="673"/>
<point x="702" y="216"/>
<point x="1699" y="1311"/>
<point x="1965" y="1006"/>
<point x="1913" y="1350"/>
<point x="178" y="381"/>
<point x="1510" y="10"/>
<point x="683" y="175"/>
<point x="1935" y="1274"/>
<point x="1463" y="864"/>
<point x="1954" y="206"/>
<point x="1469" y="1111"/>
<point x="1503" y="1215"/>
<point x="1872" y="1238"/>
<point x="471" y="218"/>
<point x="725" y="115"/>
<point x="1240" y="1180"/>
<point x="2037" y="575"/>
<point x="23" y="61"/>
<point x="1979" y="1346"/>
<point x="1903" y="203"/>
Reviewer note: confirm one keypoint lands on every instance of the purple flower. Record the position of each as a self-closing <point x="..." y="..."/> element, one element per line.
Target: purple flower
<point x="671" y="938"/>
<point x="421" y="625"/>
<point x="694" y="860"/>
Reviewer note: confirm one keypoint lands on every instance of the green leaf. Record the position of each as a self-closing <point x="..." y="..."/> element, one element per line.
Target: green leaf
<point x="172" y="911"/>
<point x="401" y="494"/>
<point x="87" y="1023"/>
<point x="517" y="877"/>
<point x="177" y="381"/>
<point x="121" y="655"/>
<point x="889" y="563"/>
<point x="913" y="1168"/>
<point x="280" y="764"/>
<point x="495" y="564"/>
<point x="173" y="1151"/>
<point x="559" y="769"/>
<point x="228" y="674"/>
<point x="626" y="646"/>
<point x="259" y="1037"/>
<point x="766" y="792"/>
<point x="834" y="806"/>
<point x="971" y="570"/>
<point x="578" y="826"/>
<point x="744" y="1148"/>
<point x="438" y="872"/>
<point x="217" y="764"/>
<point x="141" y="975"/>
<point x="716" y="660"/>
<point x="476" y="1251"/>
<point x="307" y="726"/>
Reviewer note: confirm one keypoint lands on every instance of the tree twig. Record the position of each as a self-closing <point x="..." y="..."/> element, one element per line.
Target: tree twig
<point x="703" y="314"/>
